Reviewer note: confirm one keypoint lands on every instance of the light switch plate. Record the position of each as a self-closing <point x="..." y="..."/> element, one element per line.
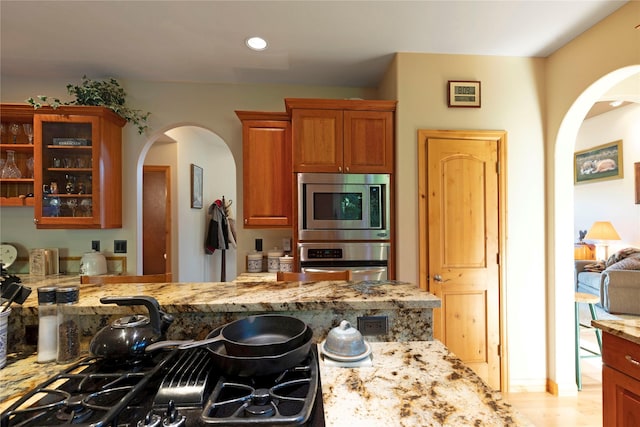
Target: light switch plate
<point x="120" y="246"/>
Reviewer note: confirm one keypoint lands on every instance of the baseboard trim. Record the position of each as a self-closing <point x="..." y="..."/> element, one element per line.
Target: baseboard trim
<point x="552" y="387"/>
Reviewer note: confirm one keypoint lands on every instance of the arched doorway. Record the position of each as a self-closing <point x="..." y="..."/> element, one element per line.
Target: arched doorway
<point x="561" y="292"/>
<point x="179" y="146"/>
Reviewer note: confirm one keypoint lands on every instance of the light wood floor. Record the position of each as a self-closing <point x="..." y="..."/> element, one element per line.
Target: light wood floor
<point x="584" y="409"/>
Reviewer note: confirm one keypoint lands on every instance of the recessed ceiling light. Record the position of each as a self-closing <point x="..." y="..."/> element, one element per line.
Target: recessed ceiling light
<point x="256" y="43"/>
<point x="615" y="103"/>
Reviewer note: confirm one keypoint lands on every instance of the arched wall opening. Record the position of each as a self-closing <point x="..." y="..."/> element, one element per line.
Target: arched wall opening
<point x="179" y="145"/>
<point x="560" y="314"/>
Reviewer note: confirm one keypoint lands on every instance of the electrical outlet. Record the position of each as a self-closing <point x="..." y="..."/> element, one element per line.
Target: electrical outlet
<point x="95" y="245"/>
<point x="373" y="325"/>
<point x="286" y="244"/>
<point x="120" y="246"/>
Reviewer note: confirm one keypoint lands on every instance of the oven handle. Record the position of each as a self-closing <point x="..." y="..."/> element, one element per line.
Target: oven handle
<point x="344" y="264"/>
<point x="363" y="271"/>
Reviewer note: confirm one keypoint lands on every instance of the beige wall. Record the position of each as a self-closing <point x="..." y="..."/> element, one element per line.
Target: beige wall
<point x="512" y="100"/>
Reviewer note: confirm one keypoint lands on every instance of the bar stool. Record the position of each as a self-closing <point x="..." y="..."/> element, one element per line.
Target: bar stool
<point x="591" y="300"/>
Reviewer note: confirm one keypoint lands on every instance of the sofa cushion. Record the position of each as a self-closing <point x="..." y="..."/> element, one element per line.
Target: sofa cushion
<point x="631" y="263"/>
<point x="589" y="282"/>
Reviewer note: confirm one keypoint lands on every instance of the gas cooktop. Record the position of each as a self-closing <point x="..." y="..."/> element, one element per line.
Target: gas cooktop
<point x="171" y="389"/>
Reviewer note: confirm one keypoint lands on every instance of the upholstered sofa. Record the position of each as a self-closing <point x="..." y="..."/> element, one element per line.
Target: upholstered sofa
<point x="617" y="283"/>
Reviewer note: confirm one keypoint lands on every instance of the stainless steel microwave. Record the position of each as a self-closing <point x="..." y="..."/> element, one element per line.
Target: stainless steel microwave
<point x="343" y="206"/>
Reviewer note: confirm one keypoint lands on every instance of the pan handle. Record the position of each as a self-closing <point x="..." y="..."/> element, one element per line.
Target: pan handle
<point x="164" y="344"/>
<point x="184" y="344"/>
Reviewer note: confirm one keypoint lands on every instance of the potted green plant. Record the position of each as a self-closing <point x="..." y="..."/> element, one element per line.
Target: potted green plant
<point x="103" y="93"/>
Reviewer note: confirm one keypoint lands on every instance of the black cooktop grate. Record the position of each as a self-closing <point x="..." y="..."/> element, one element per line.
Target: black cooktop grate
<point x="92" y="392"/>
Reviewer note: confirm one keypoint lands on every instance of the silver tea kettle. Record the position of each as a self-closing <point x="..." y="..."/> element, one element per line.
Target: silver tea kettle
<point x="128" y="337"/>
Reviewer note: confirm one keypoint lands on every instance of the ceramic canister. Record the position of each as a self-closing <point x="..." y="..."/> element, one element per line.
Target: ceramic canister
<point x="273" y="260"/>
<point x="286" y="263"/>
<point x="254" y="262"/>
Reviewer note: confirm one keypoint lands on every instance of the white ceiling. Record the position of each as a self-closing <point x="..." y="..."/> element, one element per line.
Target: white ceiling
<point x="339" y="43"/>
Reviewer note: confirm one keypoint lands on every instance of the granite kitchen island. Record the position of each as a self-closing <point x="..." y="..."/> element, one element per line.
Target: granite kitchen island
<point x="412" y="380"/>
<point x="409" y="384"/>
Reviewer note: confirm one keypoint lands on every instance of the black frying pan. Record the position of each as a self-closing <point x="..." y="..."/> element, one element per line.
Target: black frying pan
<point x="247" y="366"/>
<point x="260" y="335"/>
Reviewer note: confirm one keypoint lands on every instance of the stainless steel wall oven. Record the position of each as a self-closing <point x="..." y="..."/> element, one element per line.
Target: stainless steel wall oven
<point x="366" y="260"/>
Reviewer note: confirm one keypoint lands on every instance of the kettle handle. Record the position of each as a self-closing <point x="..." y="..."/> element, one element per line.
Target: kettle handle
<point x="160" y="320"/>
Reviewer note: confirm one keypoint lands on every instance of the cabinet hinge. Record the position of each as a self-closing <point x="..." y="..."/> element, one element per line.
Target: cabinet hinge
<point x="498" y="258"/>
<point x="499" y="350"/>
<point x="498" y="168"/>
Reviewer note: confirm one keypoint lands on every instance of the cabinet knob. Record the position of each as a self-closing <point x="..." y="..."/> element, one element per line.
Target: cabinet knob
<point x="339" y="168"/>
<point x="35" y="220"/>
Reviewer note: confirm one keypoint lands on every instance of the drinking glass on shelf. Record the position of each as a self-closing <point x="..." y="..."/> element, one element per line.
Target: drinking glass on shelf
<point x="81" y="162"/>
<point x="30" y="167"/>
<point x="28" y="130"/>
<point x="10" y="169"/>
<point x="14" y="128"/>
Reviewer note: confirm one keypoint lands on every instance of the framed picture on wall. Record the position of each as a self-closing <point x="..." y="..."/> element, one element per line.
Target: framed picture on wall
<point x="464" y="94"/>
<point x="196" y="187"/>
<point x="598" y="163"/>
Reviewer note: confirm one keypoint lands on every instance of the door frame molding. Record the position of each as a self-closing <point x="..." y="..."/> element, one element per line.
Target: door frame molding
<point x="423" y="230"/>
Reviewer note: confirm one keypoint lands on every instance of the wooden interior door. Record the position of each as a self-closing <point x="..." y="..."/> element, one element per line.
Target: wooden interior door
<point x="460" y="229"/>
<point x="156" y="219"/>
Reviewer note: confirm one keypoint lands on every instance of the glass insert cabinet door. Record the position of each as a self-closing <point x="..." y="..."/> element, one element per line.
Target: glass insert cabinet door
<point x="77" y="167"/>
<point x="16" y="155"/>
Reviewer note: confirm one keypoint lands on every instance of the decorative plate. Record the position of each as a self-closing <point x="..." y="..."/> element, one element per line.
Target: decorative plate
<point x="8" y="254"/>
<point x="339" y="358"/>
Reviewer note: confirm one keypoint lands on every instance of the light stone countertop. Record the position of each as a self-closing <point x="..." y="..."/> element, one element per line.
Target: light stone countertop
<point x="258" y="296"/>
<point x="416" y="383"/>
<point x="199" y="307"/>
<point x="627" y="329"/>
<point x="409" y="384"/>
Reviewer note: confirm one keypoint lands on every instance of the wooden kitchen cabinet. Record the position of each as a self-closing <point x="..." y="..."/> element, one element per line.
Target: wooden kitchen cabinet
<point x="620" y="381"/>
<point x="267" y="169"/>
<point x="17" y="191"/>
<point x="78" y="175"/>
<point x="342" y="136"/>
